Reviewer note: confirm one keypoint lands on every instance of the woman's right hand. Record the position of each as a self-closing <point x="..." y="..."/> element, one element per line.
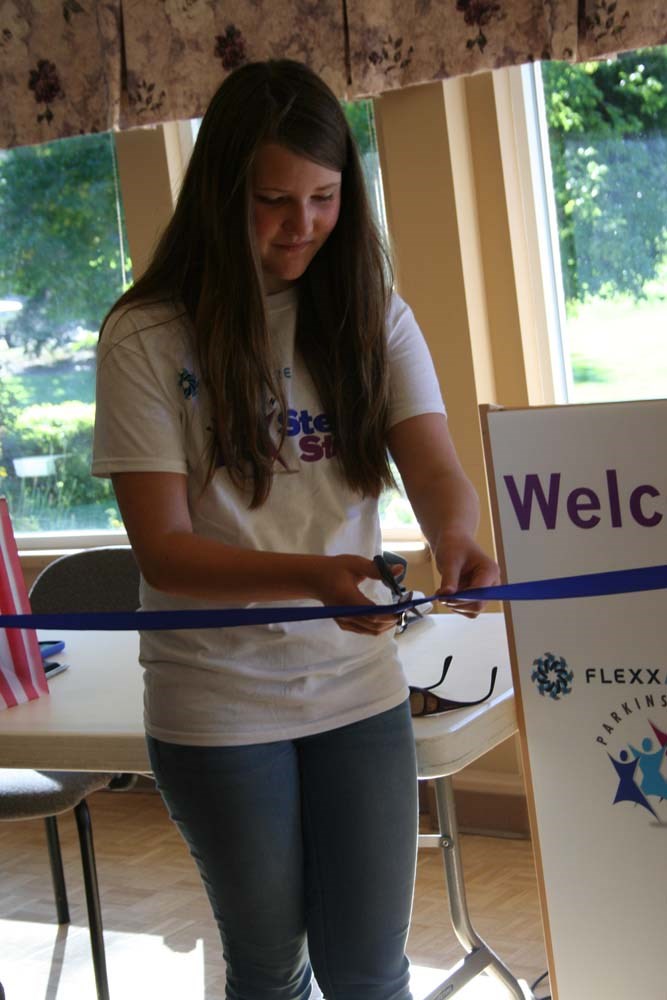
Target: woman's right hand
<point x="344" y="574"/>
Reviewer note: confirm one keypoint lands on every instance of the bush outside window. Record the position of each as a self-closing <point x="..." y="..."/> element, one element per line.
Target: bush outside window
<point x="63" y="261"/>
<point x="607" y="128"/>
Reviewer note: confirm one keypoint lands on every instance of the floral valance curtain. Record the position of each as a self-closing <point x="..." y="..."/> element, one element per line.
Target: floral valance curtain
<point x="74" y="66"/>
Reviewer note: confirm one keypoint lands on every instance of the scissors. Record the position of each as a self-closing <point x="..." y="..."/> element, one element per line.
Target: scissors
<point x="390" y="581"/>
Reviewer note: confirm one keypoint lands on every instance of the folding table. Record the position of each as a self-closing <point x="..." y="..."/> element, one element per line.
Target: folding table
<point x="447" y="743"/>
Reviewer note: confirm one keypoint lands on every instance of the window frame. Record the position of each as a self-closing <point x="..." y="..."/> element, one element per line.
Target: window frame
<point x="532" y="212"/>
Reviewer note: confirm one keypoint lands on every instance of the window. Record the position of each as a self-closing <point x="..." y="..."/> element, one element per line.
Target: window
<point x="63" y="262"/>
<point x="606" y="130"/>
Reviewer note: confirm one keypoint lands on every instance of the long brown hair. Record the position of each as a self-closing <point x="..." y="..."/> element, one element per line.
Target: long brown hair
<point x="207" y="258"/>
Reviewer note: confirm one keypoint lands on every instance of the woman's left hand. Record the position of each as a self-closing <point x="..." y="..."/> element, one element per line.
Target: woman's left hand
<point x="463" y="565"/>
<point x="446" y="505"/>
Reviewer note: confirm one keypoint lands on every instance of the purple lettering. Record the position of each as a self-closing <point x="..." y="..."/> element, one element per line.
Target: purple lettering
<point x="589" y="501"/>
<point x="583" y="503"/>
<point x="533" y="489"/>
<point x="614" y="502"/>
<point x="311" y="448"/>
<point x="636" y="506"/>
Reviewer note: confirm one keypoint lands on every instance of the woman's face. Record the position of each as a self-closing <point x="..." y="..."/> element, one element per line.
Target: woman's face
<point x="296" y="204"/>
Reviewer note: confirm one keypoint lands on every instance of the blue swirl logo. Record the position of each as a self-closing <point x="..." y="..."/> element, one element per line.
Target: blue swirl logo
<point x="552" y="676"/>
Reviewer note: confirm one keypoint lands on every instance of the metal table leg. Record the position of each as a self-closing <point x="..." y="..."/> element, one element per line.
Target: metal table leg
<point x="479" y="956"/>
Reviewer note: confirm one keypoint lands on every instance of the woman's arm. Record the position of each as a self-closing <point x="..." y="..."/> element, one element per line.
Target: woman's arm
<point x="445" y="503"/>
<point x="174" y="559"/>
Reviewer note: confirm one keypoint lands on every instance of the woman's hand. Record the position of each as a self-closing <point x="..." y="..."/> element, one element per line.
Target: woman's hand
<point x="446" y="505"/>
<point x="463" y="565"/>
<point x="340" y="587"/>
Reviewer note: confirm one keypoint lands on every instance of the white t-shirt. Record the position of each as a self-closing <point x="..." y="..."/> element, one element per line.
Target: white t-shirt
<point x="252" y="684"/>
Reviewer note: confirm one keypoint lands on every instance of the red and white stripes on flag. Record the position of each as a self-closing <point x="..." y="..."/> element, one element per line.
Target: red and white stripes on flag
<point x="22" y="676"/>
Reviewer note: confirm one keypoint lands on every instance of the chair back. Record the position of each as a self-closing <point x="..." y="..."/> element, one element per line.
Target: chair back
<point x="98" y="579"/>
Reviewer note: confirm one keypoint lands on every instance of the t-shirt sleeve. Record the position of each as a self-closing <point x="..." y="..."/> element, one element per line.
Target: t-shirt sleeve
<point x="414" y="385"/>
<point x="138" y="414"/>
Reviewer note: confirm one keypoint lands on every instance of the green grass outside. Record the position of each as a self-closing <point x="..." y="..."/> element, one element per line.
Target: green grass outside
<point x="57" y="383"/>
<point x="618" y="350"/>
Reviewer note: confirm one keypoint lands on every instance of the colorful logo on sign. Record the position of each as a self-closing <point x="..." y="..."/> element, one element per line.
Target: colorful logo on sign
<point x="640" y="771"/>
<point x="634" y="745"/>
<point x="552" y="676"/>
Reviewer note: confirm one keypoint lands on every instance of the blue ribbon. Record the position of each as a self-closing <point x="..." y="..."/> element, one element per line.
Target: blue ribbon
<point x="624" y="581"/>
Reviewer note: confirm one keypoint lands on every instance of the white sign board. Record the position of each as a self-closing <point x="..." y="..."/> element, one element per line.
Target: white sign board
<point x="583" y="489"/>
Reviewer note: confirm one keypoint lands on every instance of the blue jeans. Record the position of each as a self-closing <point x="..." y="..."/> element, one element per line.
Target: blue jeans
<point x="307" y="850"/>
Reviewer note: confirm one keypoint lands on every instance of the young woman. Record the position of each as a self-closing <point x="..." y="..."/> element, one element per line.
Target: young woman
<point x="250" y="386"/>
